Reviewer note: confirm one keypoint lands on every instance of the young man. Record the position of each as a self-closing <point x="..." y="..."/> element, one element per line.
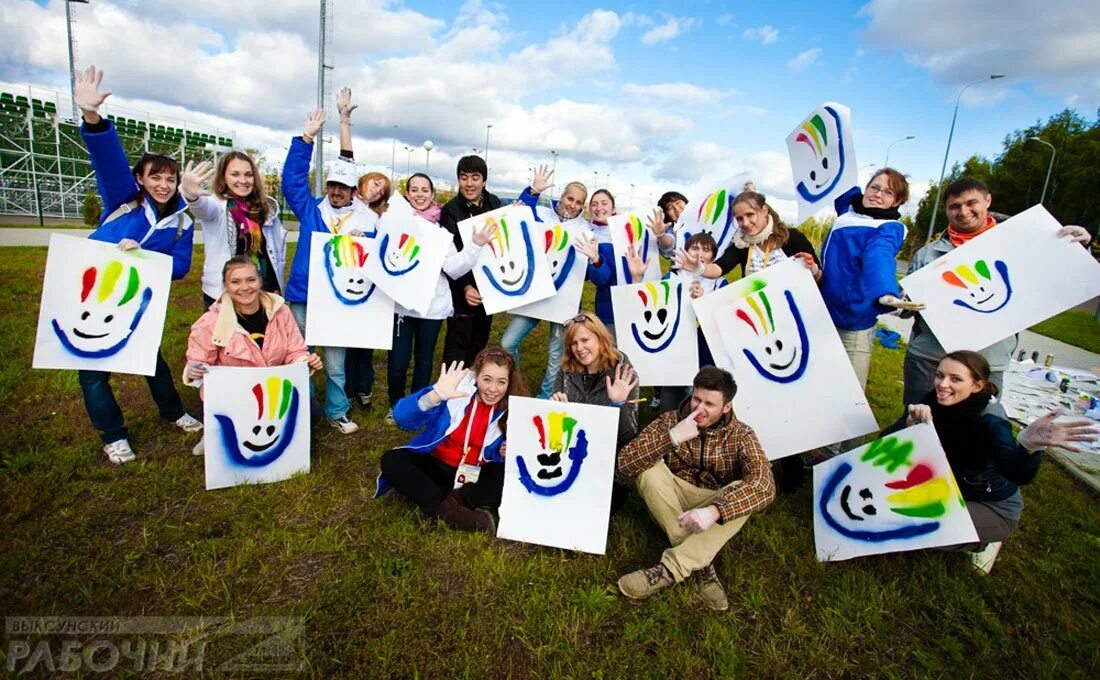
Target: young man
<point x="339" y="212"/>
<point x="701" y="478"/>
<point x="966" y="202"/>
<point x="468" y="329"/>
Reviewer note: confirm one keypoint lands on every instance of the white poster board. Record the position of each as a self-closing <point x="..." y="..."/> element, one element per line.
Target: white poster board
<point x="345" y="309"/>
<point x="823" y="158"/>
<point x="567" y="269"/>
<point x="896" y="493"/>
<point x="511" y="271"/>
<point x="102" y="308"/>
<point x="795" y="384"/>
<point x="558" y="473"/>
<point x="256" y="424"/>
<point x="655" y="326"/>
<point x="711" y="211"/>
<point x="629" y="231"/>
<point x="1003" y="281"/>
<point x="408" y="254"/>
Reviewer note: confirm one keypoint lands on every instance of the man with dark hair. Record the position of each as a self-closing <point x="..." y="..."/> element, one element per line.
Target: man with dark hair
<point x="468" y="329"/>
<point x="702" y="473"/>
<point x="966" y="203"/>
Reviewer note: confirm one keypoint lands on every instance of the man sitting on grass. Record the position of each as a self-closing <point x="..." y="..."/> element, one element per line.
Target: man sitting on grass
<point x="701" y="478"/>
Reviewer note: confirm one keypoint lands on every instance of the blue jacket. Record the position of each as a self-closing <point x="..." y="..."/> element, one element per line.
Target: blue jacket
<point x="859" y="265"/>
<point x="438" y="422"/>
<point x="117" y="186"/>
<point x="603" y="276"/>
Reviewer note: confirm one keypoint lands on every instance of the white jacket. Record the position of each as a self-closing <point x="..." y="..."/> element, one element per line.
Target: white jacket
<point x="454" y="265"/>
<point x="219" y="240"/>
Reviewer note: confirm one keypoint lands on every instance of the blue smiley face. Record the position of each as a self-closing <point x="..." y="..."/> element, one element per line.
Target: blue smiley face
<point x="779" y="350"/>
<point x="513" y="268"/>
<point x="345" y="264"/>
<point x="401" y="259"/>
<point x="108" y="313"/>
<point x="661" y="306"/>
<point x="822" y="137"/>
<point x="550" y="478"/>
<point x="264" y="440"/>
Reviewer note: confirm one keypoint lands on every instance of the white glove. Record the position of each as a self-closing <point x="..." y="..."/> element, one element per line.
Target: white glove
<point x="700" y="519"/>
<point x="685" y="430"/>
<point x="86" y="90"/>
<point x="1076" y="233"/>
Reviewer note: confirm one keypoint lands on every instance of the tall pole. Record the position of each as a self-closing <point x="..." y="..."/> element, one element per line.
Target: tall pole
<point x="631" y="201"/>
<point x="322" y="66"/>
<point x="428" y="157"/>
<point x="487" y="128"/>
<point x="393" y="154"/>
<point x="553" y="169"/>
<point x="595" y="180"/>
<point x="1050" y="167"/>
<point x="947" y="151"/>
<point x="72" y="57"/>
<point x="408" y="161"/>
<point x="886" y="164"/>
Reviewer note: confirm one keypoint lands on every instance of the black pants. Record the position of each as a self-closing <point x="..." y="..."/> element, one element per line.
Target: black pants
<point x="413" y="342"/>
<point x="358" y="372"/>
<point x="426" y="480"/>
<point x="207" y="301"/>
<point x="466" y="336"/>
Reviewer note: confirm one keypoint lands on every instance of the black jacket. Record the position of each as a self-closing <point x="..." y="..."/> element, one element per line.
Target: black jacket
<point x="733" y="256"/>
<point x="456" y="210"/>
<point x="591" y="388"/>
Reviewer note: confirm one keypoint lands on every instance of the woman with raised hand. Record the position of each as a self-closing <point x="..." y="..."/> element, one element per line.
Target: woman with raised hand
<point x="663" y="221"/>
<point x="989" y="463"/>
<point x="142" y="208"/>
<point x="454" y="468"/>
<point x="246" y="326"/>
<point x="601" y="268"/>
<point x="238" y="218"/>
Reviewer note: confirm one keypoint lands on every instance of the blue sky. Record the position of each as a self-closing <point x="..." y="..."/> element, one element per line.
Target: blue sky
<point x="659" y="94"/>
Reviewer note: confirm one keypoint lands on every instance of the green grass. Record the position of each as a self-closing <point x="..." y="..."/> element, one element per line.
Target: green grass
<point x="1075" y="327"/>
<point x="387" y="594"/>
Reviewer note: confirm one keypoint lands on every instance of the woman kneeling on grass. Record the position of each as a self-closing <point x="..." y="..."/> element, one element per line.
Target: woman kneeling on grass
<point x="454" y="468"/>
<point x="989" y="464"/>
<point x="247" y="326"/>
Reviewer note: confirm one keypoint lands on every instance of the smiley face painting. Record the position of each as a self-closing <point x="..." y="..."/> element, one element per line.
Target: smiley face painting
<point x="985" y="291"/>
<point x="344" y="307"/>
<point x="779" y="352"/>
<point x="402" y="258"/>
<point x="511" y="270"/>
<point x="822" y="158"/>
<point x="655" y="326"/>
<point x="558" y="471"/>
<point x="896" y="493"/>
<point x="514" y="258"/>
<point x="661" y="304"/>
<point x="567" y="269"/>
<point x="560" y="254"/>
<point x="102" y="308"/>
<point x="257" y="428"/>
<point x="345" y="264"/>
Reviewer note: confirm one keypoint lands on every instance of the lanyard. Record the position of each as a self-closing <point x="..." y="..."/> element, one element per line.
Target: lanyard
<point x="338" y="223"/>
<point x="462" y="468"/>
<point x="767" y="256"/>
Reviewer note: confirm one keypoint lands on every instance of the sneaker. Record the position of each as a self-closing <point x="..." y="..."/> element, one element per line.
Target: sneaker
<point x="638" y="585"/>
<point x="364" y="399"/>
<point x="344" y="424"/>
<point x="188" y="424"/>
<point x="200" y="448"/>
<point x="710" y="589"/>
<point x="389" y="418"/>
<point x="983" y="559"/>
<point x="119" y="452"/>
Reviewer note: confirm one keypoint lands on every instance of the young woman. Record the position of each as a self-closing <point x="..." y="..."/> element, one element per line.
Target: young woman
<point x="601" y="269"/>
<point x="238" y="219"/>
<point x="859" y="263"/>
<point x="247" y="326"/>
<point x="454" y="468"/>
<point x="142" y="208"/>
<point x="989" y="464"/>
<point x="662" y="222"/>
<point x="415" y="334"/>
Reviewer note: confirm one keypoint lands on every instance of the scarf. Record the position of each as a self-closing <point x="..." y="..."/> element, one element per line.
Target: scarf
<point x="874" y="213"/>
<point x="248" y="229"/>
<point x="354" y="216"/>
<point x="742" y="240"/>
<point x="957" y="426"/>
<point x="958" y="238"/>
<point x="601" y="231"/>
<point x="431" y="213"/>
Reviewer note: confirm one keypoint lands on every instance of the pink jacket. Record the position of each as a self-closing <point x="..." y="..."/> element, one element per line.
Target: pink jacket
<point x="217" y="339"/>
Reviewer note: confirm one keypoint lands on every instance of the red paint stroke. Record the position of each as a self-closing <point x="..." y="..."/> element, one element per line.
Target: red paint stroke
<point x="953" y="280"/>
<point x="401" y="243"/>
<point x="258" y="392"/>
<point x="645" y="300"/>
<point x="745" y="317"/>
<point x="920" y="474"/>
<point x="88" y="283"/>
<point x="542" y="431"/>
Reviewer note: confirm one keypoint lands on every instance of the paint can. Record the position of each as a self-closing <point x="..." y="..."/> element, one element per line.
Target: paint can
<point x="1035" y="357"/>
<point x="1021" y="355"/>
<point x="1049" y="361"/>
<point x="1063" y="386"/>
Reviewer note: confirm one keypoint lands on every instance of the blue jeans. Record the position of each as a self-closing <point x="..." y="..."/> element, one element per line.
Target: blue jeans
<point x="413" y="342"/>
<point x="336" y="400"/>
<point x="518" y="329"/>
<point x="103" y="410"/>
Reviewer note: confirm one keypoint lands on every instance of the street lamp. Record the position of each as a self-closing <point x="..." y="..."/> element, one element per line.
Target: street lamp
<point x="393" y="154"/>
<point x="947" y="152"/>
<point x="631" y="201"/>
<point x="428" y="157"/>
<point x="903" y="139"/>
<point x="1050" y="166"/>
<point x="554" y="169"/>
<point x="595" y="179"/>
<point x="408" y="161"/>
<point x="487" y="128"/>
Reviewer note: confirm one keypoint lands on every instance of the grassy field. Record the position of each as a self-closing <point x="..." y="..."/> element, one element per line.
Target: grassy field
<point x="1075" y="327"/>
<point x="384" y="593"/>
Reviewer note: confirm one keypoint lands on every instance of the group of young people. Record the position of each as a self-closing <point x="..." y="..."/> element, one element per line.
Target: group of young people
<point x="700" y="471"/>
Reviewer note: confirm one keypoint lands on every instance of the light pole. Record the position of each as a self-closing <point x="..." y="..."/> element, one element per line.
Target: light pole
<point x="428" y="157"/>
<point x="886" y="164"/>
<point x="554" y="169"/>
<point x="487" y="128"/>
<point x="408" y="161"/>
<point x="1050" y="166"/>
<point x="947" y="152"/>
<point x="393" y="154"/>
<point x="595" y="180"/>
<point x="631" y="201"/>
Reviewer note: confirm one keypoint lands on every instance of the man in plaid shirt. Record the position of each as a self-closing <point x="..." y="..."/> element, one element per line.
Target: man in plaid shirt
<point x="702" y="473"/>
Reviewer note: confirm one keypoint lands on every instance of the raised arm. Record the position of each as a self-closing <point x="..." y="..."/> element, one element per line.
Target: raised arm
<point x="296" y="168"/>
<point x="203" y="206"/>
<point x="114" y="180"/>
<point x="344" y="106"/>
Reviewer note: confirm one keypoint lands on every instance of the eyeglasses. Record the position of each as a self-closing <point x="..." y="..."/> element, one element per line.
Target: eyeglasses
<point x="876" y="189"/>
<point x="576" y="319"/>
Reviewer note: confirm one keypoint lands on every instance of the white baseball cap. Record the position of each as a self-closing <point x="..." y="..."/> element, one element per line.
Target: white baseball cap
<point x="344" y="172"/>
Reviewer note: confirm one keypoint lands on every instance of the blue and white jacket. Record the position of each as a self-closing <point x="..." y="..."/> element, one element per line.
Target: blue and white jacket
<point x="439" y="421"/>
<point x="174" y="235"/>
<point x="603" y="275"/>
<point x="859" y="265"/>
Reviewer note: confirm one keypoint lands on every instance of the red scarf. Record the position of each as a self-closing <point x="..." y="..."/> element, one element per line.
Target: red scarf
<point x="247" y="228"/>
<point x="958" y="238"/>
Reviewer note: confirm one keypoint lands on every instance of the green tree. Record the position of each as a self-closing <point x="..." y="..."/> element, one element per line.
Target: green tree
<point x="91" y="209"/>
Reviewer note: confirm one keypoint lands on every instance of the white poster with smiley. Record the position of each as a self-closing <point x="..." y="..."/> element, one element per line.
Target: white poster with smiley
<point x="567" y="268"/>
<point x="102" y="308"/>
<point x="823" y="158"/>
<point x="711" y="211"/>
<point x="345" y="308"/>
<point x="655" y="326"/>
<point x="408" y="254"/>
<point x="1003" y="281"/>
<point x="795" y="384"/>
<point x="629" y="231"/>
<point x="511" y="270"/>
<point x="895" y="494"/>
<point x="256" y="424"/>
<point x="558" y="471"/>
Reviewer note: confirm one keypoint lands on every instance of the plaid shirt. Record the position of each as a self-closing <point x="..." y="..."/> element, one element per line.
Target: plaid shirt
<point x="722" y="454"/>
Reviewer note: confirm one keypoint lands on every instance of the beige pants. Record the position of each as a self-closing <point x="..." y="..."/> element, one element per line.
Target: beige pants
<point x="858" y="346"/>
<point x="667" y="496"/>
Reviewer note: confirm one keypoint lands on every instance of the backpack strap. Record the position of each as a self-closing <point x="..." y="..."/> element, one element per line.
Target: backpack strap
<point x="121" y="210"/>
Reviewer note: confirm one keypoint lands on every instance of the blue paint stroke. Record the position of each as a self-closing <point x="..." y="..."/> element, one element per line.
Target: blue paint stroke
<point x="803" y="191"/>
<point x="1001" y="267"/>
<point x="233" y="448"/>
<point x="386" y="267"/>
<point x="671" y="335"/>
<point x="351" y="302"/>
<point x="63" y="338"/>
<point x="528" y="277"/>
<point x="804" y="345"/>
<point x="577" y="454"/>
<point x="827" y="491"/>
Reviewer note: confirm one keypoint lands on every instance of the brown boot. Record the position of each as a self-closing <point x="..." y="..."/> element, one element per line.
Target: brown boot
<point x="457" y="516"/>
<point x="638" y="585"/>
<point x="710" y="589"/>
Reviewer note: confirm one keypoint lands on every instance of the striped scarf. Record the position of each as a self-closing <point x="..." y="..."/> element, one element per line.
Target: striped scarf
<point x="248" y="229"/>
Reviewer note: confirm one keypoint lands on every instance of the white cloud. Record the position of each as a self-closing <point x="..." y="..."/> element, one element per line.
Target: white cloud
<point x="690" y="162"/>
<point x="804" y="59"/>
<point x="672" y="28"/>
<point x="724" y="19"/>
<point x="684" y="93"/>
<point x="765" y="34"/>
<point x="1057" y="45"/>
